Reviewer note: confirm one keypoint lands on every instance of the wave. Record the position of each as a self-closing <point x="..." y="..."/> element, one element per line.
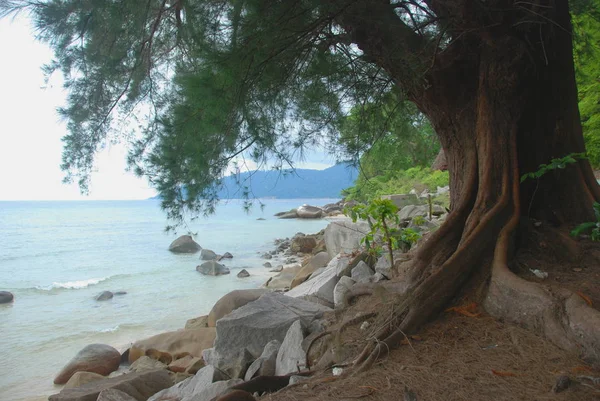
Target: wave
<point x="76" y="284"/>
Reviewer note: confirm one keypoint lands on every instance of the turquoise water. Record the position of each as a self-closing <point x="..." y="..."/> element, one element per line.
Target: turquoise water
<point x="56" y="256"/>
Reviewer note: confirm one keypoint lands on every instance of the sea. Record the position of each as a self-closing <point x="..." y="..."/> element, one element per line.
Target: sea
<point x="56" y="256"/>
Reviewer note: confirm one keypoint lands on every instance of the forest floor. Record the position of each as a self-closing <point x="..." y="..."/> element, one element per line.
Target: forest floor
<point x="465" y="354"/>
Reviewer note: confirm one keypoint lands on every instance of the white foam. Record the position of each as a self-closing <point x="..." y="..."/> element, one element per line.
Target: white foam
<point x="73" y="285"/>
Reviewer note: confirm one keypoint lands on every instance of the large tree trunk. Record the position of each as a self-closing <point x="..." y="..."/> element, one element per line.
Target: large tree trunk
<point x="503" y="102"/>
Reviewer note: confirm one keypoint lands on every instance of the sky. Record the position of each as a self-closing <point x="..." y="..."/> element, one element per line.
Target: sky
<point x="31" y="131"/>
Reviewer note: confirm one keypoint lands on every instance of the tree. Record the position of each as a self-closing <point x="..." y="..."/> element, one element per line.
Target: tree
<point x="495" y="78"/>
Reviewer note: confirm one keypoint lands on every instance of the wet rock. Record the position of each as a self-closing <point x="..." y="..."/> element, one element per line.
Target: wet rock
<point x="243" y="273"/>
<point x="6" y="297"/>
<point x="104" y="296"/>
<point x="207" y="254"/>
<point x="184" y="244"/>
<point x="212" y="268"/>
<point x="96" y="358"/>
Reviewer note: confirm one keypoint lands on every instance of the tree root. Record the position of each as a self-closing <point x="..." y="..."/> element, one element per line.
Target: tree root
<point x="561" y="316"/>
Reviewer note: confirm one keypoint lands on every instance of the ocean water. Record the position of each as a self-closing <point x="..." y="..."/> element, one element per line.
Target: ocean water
<point x="56" y="256"/>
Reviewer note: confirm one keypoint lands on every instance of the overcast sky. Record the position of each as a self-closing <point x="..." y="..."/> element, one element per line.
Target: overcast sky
<point x="30" y="131"/>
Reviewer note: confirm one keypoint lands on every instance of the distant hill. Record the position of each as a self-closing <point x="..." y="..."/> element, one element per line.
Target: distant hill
<point x="290" y="184"/>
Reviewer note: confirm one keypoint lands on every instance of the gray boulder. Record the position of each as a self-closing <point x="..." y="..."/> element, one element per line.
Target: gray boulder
<point x="257" y="323"/>
<point x="188" y="388"/>
<point x="362" y="273"/>
<point x="267" y="264"/>
<point x="411" y="211"/>
<point x="234" y="366"/>
<point x="243" y="273"/>
<point x="104" y="296"/>
<point x="316" y="262"/>
<point x="292" y="214"/>
<point x="231" y="301"/>
<point x="344" y="236"/>
<point x="383" y="265"/>
<point x="309" y="212"/>
<point x="291" y="357"/>
<point x="207" y="254"/>
<point x="402" y="200"/>
<point x="140" y="386"/>
<point x="265" y="364"/>
<point x="184" y="244"/>
<point x="226" y="255"/>
<point x="320" y="289"/>
<point x="112" y="394"/>
<point x="341" y="289"/>
<point x="212" y="268"/>
<point x="6" y="297"/>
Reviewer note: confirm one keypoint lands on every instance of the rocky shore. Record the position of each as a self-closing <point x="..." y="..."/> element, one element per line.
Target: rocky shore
<point x="254" y="341"/>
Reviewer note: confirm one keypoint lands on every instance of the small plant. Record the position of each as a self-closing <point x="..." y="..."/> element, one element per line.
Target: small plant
<point x="555" y="164"/>
<point x="593" y="225"/>
<point x="419" y="220"/>
<point x="382" y="216"/>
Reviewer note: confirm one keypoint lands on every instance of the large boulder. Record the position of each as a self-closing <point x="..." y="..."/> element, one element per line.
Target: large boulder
<point x="411" y="211"/>
<point x="383" y="265"/>
<point x="283" y="279"/>
<point x="235" y="365"/>
<point x="184" y="244"/>
<point x="316" y="262"/>
<point x="292" y="214"/>
<point x="341" y="289"/>
<point x="140" y="386"/>
<point x="265" y="364"/>
<point x="304" y="244"/>
<point x="6" y="297"/>
<point x="402" y="200"/>
<point x="187" y="389"/>
<point x="231" y="301"/>
<point x="112" y="394"/>
<point x="344" y="236"/>
<point x="309" y="212"/>
<point x="96" y="358"/>
<point x="80" y="378"/>
<point x="207" y="254"/>
<point x="175" y="342"/>
<point x="268" y="318"/>
<point x="320" y="288"/>
<point x="197" y="322"/>
<point x="362" y="273"/>
<point x="212" y="268"/>
<point x="291" y="357"/>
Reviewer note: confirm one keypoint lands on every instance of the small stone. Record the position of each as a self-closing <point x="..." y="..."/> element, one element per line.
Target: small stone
<point x="267" y="256"/>
<point x="104" y="296"/>
<point x="365" y="325"/>
<point x="562" y="383"/>
<point x="243" y="273"/>
<point x="577" y="269"/>
<point x="276" y="269"/>
<point x="267" y="264"/>
<point x="337" y="371"/>
<point x="537" y="224"/>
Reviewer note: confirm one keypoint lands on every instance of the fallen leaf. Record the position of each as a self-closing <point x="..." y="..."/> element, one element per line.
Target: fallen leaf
<point x="577" y="269"/>
<point x="465" y="310"/>
<point x="587" y="299"/>
<point x="503" y="373"/>
<point x="580" y="369"/>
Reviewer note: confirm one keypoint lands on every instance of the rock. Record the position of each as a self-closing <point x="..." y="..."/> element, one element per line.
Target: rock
<point x="112" y="394"/>
<point x="6" y="297"/>
<point x="440" y="162"/>
<point x="424" y="224"/>
<point x="402" y="200"/>
<point x="362" y="273"/>
<point x="195" y="388"/>
<point x="81" y="378"/>
<point x="261" y="219"/>
<point x="226" y="255"/>
<point x="243" y="273"/>
<point x="341" y="289"/>
<point x="277" y="269"/>
<point x="125" y="357"/>
<point x="383" y="265"/>
<point x="145" y="363"/>
<point x="182" y="364"/>
<point x="320" y="289"/>
<point x="410" y="211"/>
<point x="212" y="268"/>
<point x="291" y="357"/>
<point x="344" y="236"/>
<point x="292" y="214"/>
<point x="140" y="386"/>
<point x="316" y="262"/>
<point x="267" y="264"/>
<point x="104" y="296"/>
<point x="234" y="366"/>
<point x="207" y="254"/>
<point x="283" y="280"/>
<point x="120" y="293"/>
<point x="175" y="342"/>
<point x="303" y="244"/>
<point x="377" y="277"/>
<point x="309" y="212"/>
<point x="231" y="301"/>
<point x="96" y="358"/>
<point x="562" y="383"/>
<point x="184" y="244"/>
<point x="267" y="256"/>
<point x="265" y="364"/>
<point x="317" y="272"/>
<point x="197" y="323"/>
<point x="257" y="323"/>
<point x="195" y="366"/>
